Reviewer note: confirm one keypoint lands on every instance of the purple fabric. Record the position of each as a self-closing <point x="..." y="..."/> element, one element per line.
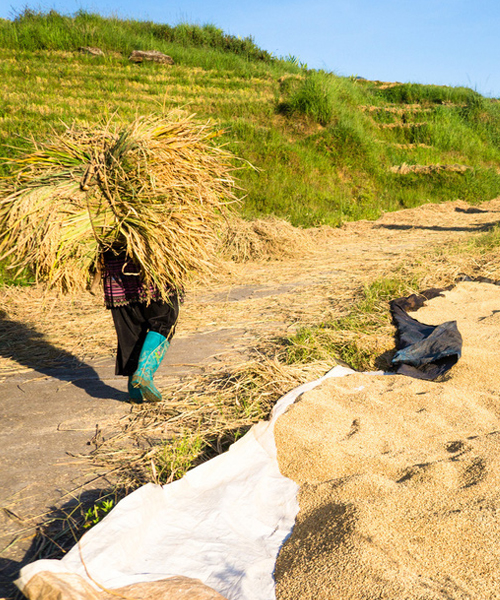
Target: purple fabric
<point x="122" y="281"/>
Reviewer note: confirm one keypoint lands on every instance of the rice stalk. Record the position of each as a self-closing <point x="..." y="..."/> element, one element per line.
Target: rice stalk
<point x="157" y="188"/>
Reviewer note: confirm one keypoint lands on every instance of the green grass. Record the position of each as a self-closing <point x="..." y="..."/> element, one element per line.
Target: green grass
<point x="11" y="277"/>
<point x="483" y="244"/>
<point x="35" y="30"/>
<point x="314" y="98"/>
<point x="414" y="93"/>
<point x="322" y="156"/>
<point x="177" y="457"/>
<point x="96" y="513"/>
<point x="360" y="337"/>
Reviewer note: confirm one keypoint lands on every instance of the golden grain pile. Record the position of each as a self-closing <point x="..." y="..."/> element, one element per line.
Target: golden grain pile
<point x="156" y="187"/>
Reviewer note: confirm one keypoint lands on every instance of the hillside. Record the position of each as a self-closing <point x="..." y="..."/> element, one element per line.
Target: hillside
<point x="328" y="149"/>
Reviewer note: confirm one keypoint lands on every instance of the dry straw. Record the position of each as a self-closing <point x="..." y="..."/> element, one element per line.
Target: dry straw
<point x="202" y="416"/>
<point x="157" y="187"/>
<point x="264" y="239"/>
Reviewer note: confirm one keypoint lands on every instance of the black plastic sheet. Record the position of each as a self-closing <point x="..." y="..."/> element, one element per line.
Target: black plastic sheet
<point x="423" y="351"/>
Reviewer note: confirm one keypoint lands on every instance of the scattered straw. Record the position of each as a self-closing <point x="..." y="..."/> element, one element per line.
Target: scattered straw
<point x="404" y="169"/>
<point x="207" y="413"/>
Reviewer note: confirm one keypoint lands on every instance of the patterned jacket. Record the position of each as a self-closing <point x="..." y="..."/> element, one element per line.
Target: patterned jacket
<point x="122" y="281"/>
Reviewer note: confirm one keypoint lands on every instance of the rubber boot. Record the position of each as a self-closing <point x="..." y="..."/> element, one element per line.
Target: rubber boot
<point x="134" y="394"/>
<point x="152" y="353"/>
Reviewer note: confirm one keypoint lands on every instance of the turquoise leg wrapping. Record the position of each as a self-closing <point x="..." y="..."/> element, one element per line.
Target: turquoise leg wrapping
<point x="134" y="394"/>
<point x="152" y="353"/>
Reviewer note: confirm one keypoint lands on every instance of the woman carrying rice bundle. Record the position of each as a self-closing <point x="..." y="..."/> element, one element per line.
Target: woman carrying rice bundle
<point x="141" y="204"/>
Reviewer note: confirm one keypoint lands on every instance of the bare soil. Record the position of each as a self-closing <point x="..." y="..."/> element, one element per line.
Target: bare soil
<point x="56" y="354"/>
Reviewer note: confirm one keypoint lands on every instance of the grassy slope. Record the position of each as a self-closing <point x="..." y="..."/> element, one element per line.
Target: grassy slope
<point x="324" y="155"/>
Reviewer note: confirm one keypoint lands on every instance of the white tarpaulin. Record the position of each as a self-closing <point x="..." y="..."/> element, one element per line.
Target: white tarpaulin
<point x="223" y="523"/>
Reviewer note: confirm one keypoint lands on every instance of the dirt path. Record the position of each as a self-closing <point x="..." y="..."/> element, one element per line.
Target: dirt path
<point x="50" y="414"/>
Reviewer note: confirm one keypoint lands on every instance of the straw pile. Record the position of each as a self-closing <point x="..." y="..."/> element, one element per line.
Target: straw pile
<point x="264" y="239"/>
<point x="156" y="187"/>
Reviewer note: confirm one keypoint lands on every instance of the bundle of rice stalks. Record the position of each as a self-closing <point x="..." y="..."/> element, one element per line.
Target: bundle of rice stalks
<point x="156" y="188"/>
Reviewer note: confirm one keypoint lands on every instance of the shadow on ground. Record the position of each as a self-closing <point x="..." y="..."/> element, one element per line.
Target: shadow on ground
<point x="62" y="528"/>
<point x="404" y="227"/>
<point x="29" y="348"/>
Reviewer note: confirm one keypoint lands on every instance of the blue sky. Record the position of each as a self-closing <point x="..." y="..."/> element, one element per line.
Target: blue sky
<point x="446" y="42"/>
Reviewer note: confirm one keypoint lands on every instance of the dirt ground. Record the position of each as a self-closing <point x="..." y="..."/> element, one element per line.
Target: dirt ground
<point x="59" y="390"/>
